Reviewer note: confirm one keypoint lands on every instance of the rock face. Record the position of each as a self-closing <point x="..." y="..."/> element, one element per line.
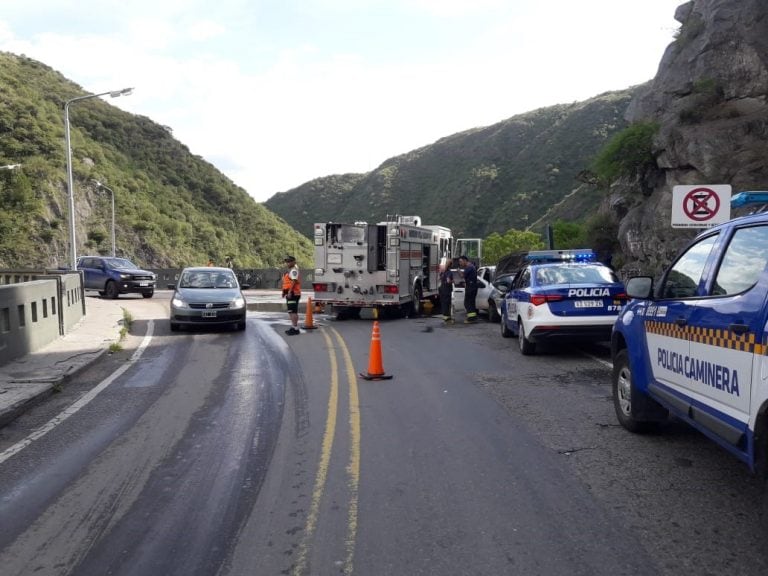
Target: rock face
<point x="709" y="98"/>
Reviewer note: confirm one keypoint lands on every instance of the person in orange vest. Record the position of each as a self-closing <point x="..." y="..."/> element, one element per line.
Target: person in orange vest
<point x="292" y="293"/>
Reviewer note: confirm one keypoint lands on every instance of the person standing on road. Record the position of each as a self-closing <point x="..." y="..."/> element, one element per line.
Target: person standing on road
<point x="445" y="291"/>
<point x="470" y="289"/>
<point x="292" y="293"/>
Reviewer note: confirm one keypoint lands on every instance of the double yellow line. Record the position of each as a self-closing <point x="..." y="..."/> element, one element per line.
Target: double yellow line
<point x="353" y="466"/>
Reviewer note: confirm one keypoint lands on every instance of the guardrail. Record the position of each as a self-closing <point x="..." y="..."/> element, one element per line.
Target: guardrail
<point x="36" y="308"/>
<point x="255" y="278"/>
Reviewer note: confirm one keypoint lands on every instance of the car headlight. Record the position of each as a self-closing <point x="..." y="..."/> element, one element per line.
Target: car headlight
<point x="238" y="302"/>
<point x="177" y="302"/>
<point x="125" y="276"/>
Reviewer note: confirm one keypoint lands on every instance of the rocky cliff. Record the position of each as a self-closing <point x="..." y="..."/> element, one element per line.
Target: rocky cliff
<point x="709" y="101"/>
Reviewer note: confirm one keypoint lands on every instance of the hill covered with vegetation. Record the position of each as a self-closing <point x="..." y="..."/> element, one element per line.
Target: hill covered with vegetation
<point x="172" y="207"/>
<point x="505" y="176"/>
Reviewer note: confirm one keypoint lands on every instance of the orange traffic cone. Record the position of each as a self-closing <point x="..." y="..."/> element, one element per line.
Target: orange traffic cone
<point x="375" y="365"/>
<point x="309" y="323"/>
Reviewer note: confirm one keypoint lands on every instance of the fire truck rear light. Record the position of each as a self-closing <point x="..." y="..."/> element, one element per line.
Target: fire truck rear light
<point x="388" y="290"/>
<point x="320" y="287"/>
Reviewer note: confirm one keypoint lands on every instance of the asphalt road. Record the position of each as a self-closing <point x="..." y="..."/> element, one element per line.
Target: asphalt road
<point x="221" y="452"/>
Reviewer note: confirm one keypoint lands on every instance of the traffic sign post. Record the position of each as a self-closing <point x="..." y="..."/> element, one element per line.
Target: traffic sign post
<point x="701" y="205"/>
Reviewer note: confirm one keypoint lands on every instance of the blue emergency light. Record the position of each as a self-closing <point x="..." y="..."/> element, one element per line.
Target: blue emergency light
<point x="578" y="255"/>
<point x="745" y="198"/>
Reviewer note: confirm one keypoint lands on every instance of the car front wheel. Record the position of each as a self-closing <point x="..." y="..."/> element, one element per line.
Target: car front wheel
<point x="622" y="393"/>
<point x="493" y="314"/>
<point x="111" y="290"/>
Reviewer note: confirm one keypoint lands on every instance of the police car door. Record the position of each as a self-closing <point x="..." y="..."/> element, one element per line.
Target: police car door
<point x="667" y="318"/>
<point x="517" y="295"/>
<point x="726" y="329"/>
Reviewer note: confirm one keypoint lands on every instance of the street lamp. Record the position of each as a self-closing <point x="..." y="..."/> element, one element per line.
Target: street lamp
<point x="70" y="185"/>
<point x="112" y="192"/>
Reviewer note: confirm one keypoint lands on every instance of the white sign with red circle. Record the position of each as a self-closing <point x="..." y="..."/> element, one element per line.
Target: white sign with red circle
<point x="701" y="205"/>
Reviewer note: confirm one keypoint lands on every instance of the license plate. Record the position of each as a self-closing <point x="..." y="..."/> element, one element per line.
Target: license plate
<point x="588" y="304"/>
<point x="209" y="313"/>
<point x="143" y="283"/>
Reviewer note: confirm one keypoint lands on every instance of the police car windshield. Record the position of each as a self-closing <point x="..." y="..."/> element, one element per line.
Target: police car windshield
<point x="574" y="274"/>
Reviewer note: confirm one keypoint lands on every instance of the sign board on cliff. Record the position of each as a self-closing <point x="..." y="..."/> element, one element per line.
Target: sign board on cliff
<point x="701" y="205"/>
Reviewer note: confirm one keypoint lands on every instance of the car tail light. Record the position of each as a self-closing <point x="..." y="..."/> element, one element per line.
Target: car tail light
<point x="320" y="287"/>
<point x="539" y="299"/>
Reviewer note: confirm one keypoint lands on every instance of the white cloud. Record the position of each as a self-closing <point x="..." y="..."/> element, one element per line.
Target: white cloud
<point x="278" y="98"/>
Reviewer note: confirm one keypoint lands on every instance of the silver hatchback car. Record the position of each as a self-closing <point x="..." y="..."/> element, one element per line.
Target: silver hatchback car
<point x="207" y="296"/>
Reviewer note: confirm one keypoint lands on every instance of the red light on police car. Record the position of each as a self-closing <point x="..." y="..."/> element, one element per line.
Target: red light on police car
<point x="539" y="299"/>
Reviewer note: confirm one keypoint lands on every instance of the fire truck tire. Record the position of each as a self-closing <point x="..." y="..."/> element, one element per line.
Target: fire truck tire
<point x="415" y="308"/>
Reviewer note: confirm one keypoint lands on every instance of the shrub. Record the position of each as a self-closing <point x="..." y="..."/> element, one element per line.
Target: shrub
<point x="627" y="154"/>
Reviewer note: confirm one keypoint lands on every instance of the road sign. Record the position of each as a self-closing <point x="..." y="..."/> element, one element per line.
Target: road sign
<point x="701" y="205"/>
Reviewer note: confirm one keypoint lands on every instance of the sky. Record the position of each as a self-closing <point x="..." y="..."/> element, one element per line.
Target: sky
<point x="275" y="93"/>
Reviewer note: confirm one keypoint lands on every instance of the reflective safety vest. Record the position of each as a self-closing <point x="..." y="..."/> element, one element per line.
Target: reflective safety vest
<point x="291" y="281"/>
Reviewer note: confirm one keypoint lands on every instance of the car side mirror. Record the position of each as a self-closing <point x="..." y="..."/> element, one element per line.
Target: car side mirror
<point x="502" y="288"/>
<point x="171" y="286"/>
<point x="245" y="286"/>
<point x="640" y="287"/>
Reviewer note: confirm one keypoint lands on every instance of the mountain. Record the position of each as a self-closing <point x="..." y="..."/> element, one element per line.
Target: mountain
<point x="708" y="101"/>
<point x="172" y="208"/>
<point x="503" y="176"/>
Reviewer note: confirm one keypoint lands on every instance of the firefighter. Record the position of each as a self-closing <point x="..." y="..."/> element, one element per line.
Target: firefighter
<point x="292" y="293"/>
<point x="446" y="292"/>
<point x="470" y="289"/>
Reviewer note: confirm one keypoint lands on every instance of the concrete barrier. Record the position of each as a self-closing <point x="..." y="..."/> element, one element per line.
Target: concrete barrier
<point x="36" y="308"/>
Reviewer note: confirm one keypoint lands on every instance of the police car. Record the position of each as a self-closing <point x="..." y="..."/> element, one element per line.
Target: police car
<point x="696" y="343"/>
<point x="561" y="294"/>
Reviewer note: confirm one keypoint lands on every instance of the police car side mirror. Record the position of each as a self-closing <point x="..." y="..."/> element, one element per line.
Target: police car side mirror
<point x="640" y="287"/>
<point x="502" y="288"/>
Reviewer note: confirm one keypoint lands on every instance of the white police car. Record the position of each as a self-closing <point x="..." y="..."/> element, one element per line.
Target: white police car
<point x="696" y="344"/>
<point x="561" y="294"/>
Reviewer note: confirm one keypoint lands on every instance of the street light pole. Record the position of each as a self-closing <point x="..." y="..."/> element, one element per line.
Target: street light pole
<point x="112" y="192"/>
<point x="70" y="184"/>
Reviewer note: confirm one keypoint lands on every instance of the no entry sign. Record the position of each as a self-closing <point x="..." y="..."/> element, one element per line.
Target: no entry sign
<point x="701" y="205"/>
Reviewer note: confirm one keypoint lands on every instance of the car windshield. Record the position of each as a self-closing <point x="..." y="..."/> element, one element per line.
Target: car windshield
<point x="206" y="279"/>
<point x="119" y="263"/>
<point x="581" y="274"/>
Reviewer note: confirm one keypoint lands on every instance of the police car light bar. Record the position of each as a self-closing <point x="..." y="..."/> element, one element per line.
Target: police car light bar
<point x="579" y="255"/>
<point x="744" y="198"/>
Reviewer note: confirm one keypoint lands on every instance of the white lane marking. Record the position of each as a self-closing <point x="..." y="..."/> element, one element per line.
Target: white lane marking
<point x="605" y="363"/>
<point x="82" y="402"/>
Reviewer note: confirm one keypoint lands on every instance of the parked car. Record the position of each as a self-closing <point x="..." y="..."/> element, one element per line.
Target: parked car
<point x="562" y="294"/>
<point x="207" y="296"/>
<point x="485" y="276"/>
<point x="694" y="343"/>
<point x="496" y="293"/>
<point x="114" y="276"/>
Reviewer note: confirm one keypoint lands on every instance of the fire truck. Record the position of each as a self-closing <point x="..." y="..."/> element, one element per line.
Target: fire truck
<point x="393" y="265"/>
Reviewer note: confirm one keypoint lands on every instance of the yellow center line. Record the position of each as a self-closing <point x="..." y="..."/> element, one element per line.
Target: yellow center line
<point x="353" y="468"/>
<point x="325" y="458"/>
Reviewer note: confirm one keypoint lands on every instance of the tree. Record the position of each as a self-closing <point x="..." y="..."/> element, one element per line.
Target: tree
<point x="496" y="246"/>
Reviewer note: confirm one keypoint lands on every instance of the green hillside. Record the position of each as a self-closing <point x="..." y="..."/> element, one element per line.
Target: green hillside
<point x="484" y="180"/>
<point x="172" y="208"/>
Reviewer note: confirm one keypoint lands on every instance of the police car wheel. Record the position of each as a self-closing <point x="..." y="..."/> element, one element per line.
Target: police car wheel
<point x="505" y="331"/>
<point x="622" y="393"/>
<point x="526" y="346"/>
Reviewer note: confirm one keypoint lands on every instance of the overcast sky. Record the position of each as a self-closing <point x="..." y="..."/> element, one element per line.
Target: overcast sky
<point x="275" y="93"/>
